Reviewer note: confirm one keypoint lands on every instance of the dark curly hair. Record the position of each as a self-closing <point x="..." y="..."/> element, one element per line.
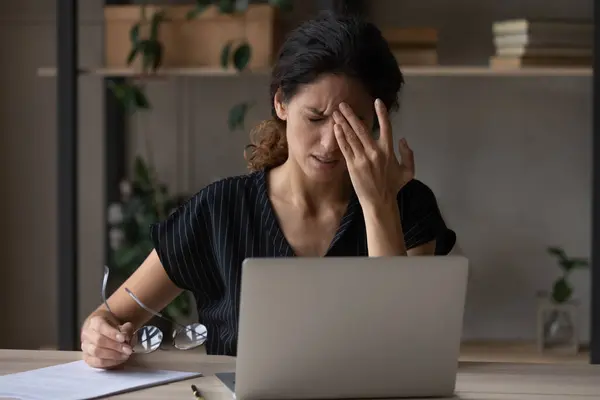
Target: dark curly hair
<point x="328" y="44"/>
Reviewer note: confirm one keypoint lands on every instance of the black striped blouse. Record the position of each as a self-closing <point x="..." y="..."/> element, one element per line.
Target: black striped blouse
<point x="203" y="243"/>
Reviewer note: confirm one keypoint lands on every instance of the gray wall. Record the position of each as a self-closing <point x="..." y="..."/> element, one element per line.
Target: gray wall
<point x="508" y="158"/>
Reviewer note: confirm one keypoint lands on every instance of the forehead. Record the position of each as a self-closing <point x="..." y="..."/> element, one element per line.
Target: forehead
<point x="328" y="91"/>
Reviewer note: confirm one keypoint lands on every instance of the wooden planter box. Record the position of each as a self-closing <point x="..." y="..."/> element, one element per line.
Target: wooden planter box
<point x="197" y="42"/>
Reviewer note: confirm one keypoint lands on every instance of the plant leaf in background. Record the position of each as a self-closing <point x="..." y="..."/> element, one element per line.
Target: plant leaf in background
<point x="155" y="22"/>
<point x="129" y="95"/>
<point x="133" y="53"/>
<point x="157" y="49"/>
<point x="201" y="5"/>
<point x="142" y="177"/>
<point x="283" y="5"/>
<point x="134" y="33"/>
<point x="225" y="52"/>
<point x="179" y="306"/>
<point x="241" y="56"/>
<point x="227" y="6"/>
<point x="562" y="291"/>
<point x="140" y="99"/>
<point x="237" y="114"/>
<point x="558" y="252"/>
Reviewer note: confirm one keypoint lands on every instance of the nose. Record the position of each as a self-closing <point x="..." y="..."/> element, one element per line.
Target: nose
<point x="328" y="141"/>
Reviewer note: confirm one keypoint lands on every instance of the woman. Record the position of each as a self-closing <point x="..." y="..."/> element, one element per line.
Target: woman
<point x="321" y="184"/>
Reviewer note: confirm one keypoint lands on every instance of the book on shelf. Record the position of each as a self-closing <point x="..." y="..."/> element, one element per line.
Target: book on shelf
<point x="413" y="46"/>
<point x="521" y="43"/>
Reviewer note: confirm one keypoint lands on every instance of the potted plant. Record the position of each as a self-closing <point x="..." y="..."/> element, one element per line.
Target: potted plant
<point x="557" y="328"/>
<point x="228" y="34"/>
<point x="144" y="201"/>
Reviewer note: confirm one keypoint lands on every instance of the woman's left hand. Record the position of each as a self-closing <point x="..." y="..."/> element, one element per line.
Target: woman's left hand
<point x="376" y="173"/>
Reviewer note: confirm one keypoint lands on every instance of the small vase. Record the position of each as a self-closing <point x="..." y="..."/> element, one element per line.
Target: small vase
<point x="557" y="326"/>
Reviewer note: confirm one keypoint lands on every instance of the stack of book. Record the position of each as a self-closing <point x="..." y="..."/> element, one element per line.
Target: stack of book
<point x="522" y="43"/>
<point x="413" y="46"/>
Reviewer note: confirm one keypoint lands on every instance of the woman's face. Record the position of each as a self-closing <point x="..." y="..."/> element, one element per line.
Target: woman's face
<point x="308" y="115"/>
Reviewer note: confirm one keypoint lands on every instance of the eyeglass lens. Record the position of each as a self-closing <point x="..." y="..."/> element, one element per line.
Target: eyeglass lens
<point x="148" y="339"/>
<point x="193" y="336"/>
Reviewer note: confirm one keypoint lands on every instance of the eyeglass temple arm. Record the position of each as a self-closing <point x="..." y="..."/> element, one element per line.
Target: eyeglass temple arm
<point x="156" y="313"/>
<point x="134" y="297"/>
<point x="104" y="283"/>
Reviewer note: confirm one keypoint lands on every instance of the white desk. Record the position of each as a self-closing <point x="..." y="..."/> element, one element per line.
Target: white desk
<point x="475" y="380"/>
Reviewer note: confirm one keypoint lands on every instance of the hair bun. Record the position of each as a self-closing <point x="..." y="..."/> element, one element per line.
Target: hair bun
<point x="268" y="145"/>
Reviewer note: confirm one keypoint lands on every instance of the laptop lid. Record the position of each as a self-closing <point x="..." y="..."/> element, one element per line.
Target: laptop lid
<point x="316" y="328"/>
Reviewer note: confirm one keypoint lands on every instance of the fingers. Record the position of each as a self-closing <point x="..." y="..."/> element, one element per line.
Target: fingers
<point x="349" y="133"/>
<point x="105" y="342"/>
<point x="385" y="127"/>
<point x="103" y="345"/>
<point x="101" y="326"/>
<point x="96" y="362"/>
<point x="352" y="124"/>
<point x="127" y="330"/>
<point x="103" y="353"/>
<point x="343" y="142"/>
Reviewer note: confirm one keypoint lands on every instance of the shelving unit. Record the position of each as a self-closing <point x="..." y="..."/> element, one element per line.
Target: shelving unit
<point x="441" y="70"/>
<point x="68" y="72"/>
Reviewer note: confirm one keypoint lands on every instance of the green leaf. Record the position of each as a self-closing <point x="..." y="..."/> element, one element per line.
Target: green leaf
<point x="241" y="56"/>
<point x="237" y="115"/>
<point x="132" y="54"/>
<point x="157" y="55"/>
<point x="193" y="13"/>
<point x="152" y="54"/>
<point x="225" y="53"/>
<point x="227" y="6"/>
<point x="145" y="48"/>
<point x="561" y="291"/>
<point x="157" y="18"/>
<point x="129" y="100"/>
<point x="580" y="263"/>
<point x="141" y="172"/>
<point x="201" y="6"/>
<point x="283" y="5"/>
<point x="118" y="90"/>
<point x="140" y="99"/>
<point x="134" y="34"/>
<point x="180" y="306"/>
<point x="558" y="252"/>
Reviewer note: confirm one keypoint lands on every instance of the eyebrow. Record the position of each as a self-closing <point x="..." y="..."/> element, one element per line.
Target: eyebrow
<point x="322" y="113"/>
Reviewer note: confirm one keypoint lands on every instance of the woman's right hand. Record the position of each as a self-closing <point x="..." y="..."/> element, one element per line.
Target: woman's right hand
<point x="104" y="343"/>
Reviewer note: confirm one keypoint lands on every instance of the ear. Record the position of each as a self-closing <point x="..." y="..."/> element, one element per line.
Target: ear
<point x="280" y="106"/>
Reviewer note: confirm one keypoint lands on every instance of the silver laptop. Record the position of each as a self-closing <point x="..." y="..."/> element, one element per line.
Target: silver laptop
<point x="321" y="328"/>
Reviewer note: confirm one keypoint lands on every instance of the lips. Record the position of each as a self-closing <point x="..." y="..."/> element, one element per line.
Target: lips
<point x="325" y="160"/>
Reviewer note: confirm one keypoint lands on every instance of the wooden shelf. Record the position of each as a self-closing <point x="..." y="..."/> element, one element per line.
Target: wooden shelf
<point x="432" y="71"/>
<point x="163" y="72"/>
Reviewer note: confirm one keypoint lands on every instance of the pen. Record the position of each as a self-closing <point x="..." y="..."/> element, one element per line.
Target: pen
<point x="197" y="393"/>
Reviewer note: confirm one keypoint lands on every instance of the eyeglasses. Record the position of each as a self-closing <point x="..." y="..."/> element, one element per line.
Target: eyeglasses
<point x="150" y="338"/>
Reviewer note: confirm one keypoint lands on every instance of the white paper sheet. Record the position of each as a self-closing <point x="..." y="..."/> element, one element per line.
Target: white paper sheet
<point x="77" y="381"/>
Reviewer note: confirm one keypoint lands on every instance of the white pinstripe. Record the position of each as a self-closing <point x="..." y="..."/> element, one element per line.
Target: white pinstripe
<point x="203" y="243"/>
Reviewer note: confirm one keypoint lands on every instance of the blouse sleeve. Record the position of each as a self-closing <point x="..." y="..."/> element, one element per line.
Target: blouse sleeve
<point x="422" y="221"/>
<point x="183" y="242"/>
